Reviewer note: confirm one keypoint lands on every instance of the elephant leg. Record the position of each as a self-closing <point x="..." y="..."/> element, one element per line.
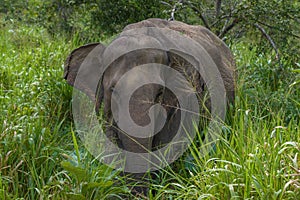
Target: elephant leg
<point x="136" y="145"/>
<point x="145" y="116"/>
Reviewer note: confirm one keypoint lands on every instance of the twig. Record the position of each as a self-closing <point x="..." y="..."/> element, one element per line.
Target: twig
<point x="224" y="26"/>
<point x="218" y="8"/>
<point x="279" y="29"/>
<point x="202" y="17"/>
<point x="166" y="3"/>
<point x="174" y="10"/>
<point x="228" y="28"/>
<point x="219" y="19"/>
<point x="263" y="31"/>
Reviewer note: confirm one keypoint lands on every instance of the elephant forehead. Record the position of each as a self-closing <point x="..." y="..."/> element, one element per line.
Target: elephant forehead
<point x="116" y="70"/>
<point x="154" y="22"/>
<point x="127" y="42"/>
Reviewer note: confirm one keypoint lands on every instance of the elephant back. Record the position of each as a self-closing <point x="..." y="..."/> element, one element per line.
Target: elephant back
<point x="215" y="47"/>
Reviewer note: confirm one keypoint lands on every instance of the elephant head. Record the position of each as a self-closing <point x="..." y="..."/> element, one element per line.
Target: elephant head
<point x="152" y="105"/>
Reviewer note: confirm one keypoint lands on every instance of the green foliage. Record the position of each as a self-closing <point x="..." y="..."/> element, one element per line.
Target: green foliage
<point x="89" y="19"/>
<point x="260" y="85"/>
<point x="259" y="161"/>
<point x="35" y="119"/>
<point x="42" y="158"/>
<point x="93" y="181"/>
<point x="232" y="19"/>
<point x="297" y="81"/>
<point x="240" y="16"/>
<point x="272" y="27"/>
<point x="31" y="98"/>
<point x="123" y="12"/>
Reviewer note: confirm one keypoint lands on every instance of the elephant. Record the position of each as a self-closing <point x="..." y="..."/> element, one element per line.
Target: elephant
<point x="144" y="98"/>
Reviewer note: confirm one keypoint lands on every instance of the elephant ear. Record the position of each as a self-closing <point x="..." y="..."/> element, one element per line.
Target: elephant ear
<point x="82" y="68"/>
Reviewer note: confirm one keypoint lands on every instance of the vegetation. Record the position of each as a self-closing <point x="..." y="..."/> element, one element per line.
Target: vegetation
<point x="41" y="156"/>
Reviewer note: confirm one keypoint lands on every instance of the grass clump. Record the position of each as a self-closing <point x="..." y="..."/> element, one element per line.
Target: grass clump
<point x="35" y="120"/>
<point x="260" y="158"/>
<point x="42" y="158"/>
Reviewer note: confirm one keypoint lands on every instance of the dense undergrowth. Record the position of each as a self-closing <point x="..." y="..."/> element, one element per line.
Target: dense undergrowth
<point x="41" y="157"/>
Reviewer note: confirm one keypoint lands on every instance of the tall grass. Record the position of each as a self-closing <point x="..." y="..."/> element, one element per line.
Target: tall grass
<point x="35" y="120"/>
<point x="258" y="161"/>
<point x="34" y="109"/>
<point x="41" y="157"/>
<point x="260" y="158"/>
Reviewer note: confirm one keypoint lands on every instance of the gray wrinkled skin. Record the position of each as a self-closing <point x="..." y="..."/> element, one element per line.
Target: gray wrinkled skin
<point x="149" y="95"/>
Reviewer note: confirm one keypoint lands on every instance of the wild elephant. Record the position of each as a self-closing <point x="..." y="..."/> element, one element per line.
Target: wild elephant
<point x="146" y="42"/>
